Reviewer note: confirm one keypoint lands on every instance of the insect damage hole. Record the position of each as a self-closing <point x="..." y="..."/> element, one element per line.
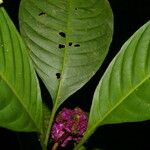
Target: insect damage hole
<point x="61" y="46"/>
<point x="77" y="45"/>
<point x="42" y="13"/>
<point x="58" y="75"/>
<point x="70" y="43"/>
<point x="62" y="34"/>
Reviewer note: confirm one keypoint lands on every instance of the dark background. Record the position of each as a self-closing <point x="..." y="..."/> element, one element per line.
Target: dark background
<point x="129" y="15"/>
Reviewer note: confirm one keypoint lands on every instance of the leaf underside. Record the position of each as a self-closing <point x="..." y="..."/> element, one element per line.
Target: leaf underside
<point x="20" y="101"/>
<point x="68" y="41"/>
<point x="123" y="94"/>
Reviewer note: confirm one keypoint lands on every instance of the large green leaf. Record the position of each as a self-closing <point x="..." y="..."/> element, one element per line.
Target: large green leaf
<point x="20" y="101"/>
<point x="68" y="41"/>
<point x="123" y="94"/>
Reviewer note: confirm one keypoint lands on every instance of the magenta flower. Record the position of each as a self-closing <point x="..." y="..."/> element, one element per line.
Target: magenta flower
<point x="69" y="125"/>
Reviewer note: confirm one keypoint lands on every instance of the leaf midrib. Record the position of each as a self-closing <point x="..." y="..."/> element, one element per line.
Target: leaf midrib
<point x="9" y="85"/>
<point x="117" y="104"/>
<point x="19" y="99"/>
<point x="65" y="52"/>
<point x="56" y="100"/>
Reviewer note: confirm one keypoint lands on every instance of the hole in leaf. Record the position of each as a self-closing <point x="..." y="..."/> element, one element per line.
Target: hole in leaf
<point x="61" y="46"/>
<point x="77" y="45"/>
<point x="58" y="75"/>
<point x="76" y="8"/>
<point x="70" y="43"/>
<point x="42" y="13"/>
<point x="62" y="34"/>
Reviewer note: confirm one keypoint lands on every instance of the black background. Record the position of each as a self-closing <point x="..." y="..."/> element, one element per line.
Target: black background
<point x="129" y="15"/>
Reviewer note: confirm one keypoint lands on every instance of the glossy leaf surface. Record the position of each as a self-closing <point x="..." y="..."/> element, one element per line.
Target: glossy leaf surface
<point x="123" y="94"/>
<point x="20" y="101"/>
<point x="68" y="41"/>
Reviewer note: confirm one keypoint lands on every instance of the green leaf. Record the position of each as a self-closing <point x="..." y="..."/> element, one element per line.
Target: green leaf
<point x="20" y="100"/>
<point x="82" y="148"/>
<point x="123" y="94"/>
<point x="68" y="41"/>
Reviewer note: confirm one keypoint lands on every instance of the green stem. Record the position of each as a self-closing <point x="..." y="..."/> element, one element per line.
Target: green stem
<point x="44" y="147"/>
<point x="50" y="124"/>
<point x="56" y="102"/>
<point x="85" y="138"/>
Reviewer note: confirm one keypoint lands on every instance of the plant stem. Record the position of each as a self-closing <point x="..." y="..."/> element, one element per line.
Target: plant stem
<point x="57" y="98"/>
<point x="50" y="124"/>
<point x="55" y="146"/>
<point x="84" y="139"/>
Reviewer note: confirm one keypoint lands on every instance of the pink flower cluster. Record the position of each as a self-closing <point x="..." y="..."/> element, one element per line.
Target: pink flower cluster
<point x="69" y="125"/>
